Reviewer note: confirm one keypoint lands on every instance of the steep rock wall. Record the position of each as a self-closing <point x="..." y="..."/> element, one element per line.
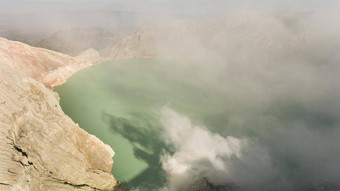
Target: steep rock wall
<point x="40" y="147"/>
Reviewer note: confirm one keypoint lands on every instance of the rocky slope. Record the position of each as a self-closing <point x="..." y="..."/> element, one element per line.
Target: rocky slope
<point x="75" y="41"/>
<point x="243" y="35"/>
<point x="48" y="67"/>
<point x="140" y="44"/>
<point x="90" y="55"/>
<point x="40" y="147"/>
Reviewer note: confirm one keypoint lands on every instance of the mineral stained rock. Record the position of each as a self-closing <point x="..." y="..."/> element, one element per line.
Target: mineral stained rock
<point x="49" y="67"/>
<point x="40" y="147"/>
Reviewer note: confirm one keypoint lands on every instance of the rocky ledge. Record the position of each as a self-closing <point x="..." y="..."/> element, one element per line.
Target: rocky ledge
<point x="40" y="147"/>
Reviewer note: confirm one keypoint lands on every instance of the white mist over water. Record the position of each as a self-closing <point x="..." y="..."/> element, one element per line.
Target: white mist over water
<point x="197" y="152"/>
<point x="256" y="105"/>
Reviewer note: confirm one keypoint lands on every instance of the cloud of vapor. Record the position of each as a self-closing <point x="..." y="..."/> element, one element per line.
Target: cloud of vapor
<point x="260" y="94"/>
<point x="270" y="84"/>
<point x="39" y="19"/>
<point x="197" y="152"/>
<point x="259" y="78"/>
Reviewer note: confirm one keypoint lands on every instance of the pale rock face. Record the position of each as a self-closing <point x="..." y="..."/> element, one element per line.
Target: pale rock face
<point x="141" y="44"/>
<point x="238" y="34"/>
<point x="90" y="54"/>
<point x="49" y="67"/>
<point x="40" y="147"/>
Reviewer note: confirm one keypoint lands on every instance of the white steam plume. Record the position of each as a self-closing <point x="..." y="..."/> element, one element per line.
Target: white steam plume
<point x="198" y="152"/>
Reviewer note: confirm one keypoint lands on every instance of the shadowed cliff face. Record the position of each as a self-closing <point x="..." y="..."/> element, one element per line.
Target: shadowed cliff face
<point x="41" y="147"/>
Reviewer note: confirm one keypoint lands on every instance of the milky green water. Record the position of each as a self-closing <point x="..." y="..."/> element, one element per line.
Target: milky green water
<point x="119" y="102"/>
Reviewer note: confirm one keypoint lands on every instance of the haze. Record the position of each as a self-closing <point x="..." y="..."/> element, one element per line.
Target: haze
<point x="242" y="93"/>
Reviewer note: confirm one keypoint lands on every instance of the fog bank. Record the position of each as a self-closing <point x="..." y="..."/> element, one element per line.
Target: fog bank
<point x="248" y="95"/>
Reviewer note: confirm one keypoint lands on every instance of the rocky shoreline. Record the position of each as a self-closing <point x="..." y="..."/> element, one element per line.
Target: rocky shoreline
<point x="40" y="147"/>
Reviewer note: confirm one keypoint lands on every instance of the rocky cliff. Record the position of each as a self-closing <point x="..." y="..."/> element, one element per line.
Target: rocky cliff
<point x="49" y="67"/>
<point x="242" y="34"/>
<point x="40" y="147"/>
<point x="140" y="44"/>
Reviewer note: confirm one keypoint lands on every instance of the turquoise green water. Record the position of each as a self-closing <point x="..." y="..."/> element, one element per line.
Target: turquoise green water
<point x="119" y="102"/>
